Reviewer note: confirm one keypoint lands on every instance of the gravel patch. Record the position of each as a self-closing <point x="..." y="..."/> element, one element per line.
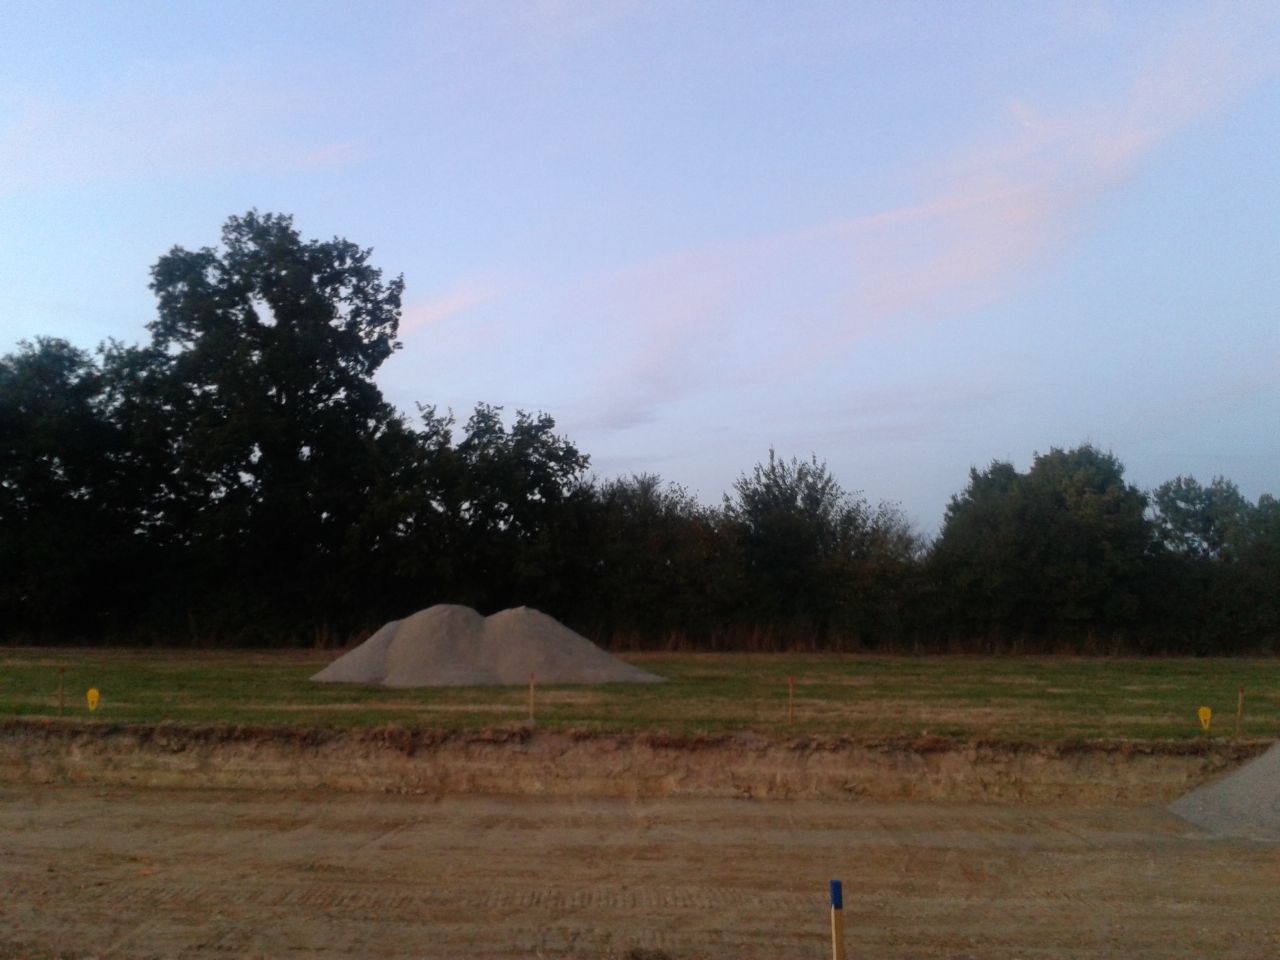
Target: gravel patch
<point x="1245" y="803"/>
<point x="453" y="646"/>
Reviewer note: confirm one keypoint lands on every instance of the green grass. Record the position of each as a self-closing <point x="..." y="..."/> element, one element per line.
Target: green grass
<point x="1009" y="698"/>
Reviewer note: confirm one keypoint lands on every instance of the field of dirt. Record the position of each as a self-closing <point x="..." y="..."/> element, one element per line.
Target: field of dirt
<point x="158" y="842"/>
<point x="92" y="871"/>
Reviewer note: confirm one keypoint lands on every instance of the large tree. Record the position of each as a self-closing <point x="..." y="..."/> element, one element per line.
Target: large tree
<point x="655" y="565"/>
<point x="1059" y="549"/>
<point x="64" y="526"/>
<point x="1247" y="595"/>
<point x="493" y="507"/>
<point x="257" y="394"/>
<point x="810" y="550"/>
<point x="1199" y="521"/>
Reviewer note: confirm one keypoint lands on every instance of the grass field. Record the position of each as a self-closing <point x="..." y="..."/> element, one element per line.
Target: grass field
<point x="1008" y="698"/>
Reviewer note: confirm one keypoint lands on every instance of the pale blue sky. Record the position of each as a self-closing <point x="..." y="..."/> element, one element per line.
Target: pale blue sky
<point x="907" y="237"/>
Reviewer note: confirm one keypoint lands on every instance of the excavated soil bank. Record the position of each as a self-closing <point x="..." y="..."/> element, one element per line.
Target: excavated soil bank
<point x="525" y="761"/>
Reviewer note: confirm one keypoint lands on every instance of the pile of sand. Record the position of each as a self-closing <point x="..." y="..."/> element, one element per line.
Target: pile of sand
<point x="1242" y="804"/>
<point x="453" y="646"/>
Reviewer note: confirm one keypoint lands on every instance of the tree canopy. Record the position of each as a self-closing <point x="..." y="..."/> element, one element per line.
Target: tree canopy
<point x="1198" y="520"/>
<point x="240" y="478"/>
<point x="1058" y="548"/>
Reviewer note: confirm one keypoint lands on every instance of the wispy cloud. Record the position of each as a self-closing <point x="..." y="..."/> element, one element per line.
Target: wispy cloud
<point x="1014" y="198"/>
<point x="990" y="217"/>
<point x="162" y="119"/>
<point x="421" y="315"/>
<point x="912" y="412"/>
<point x="653" y="322"/>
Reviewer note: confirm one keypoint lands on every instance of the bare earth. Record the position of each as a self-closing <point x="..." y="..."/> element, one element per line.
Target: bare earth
<point x="94" y="871"/>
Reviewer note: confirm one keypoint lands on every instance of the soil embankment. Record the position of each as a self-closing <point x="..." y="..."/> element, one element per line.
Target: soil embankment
<point x="530" y="762"/>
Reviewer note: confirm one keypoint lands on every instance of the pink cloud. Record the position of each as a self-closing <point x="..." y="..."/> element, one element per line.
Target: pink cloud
<point x="420" y="316"/>
<point x="992" y="216"/>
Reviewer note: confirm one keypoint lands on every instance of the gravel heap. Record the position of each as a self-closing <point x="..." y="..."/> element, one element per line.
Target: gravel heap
<point x="1245" y="803"/>
<point x="453" y="646"/>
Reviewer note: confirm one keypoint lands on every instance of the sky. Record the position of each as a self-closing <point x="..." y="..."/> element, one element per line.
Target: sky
<point x="907" y="238"/>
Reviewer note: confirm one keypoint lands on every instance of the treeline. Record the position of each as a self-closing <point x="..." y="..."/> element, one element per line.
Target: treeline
<point x="239" y="479"/>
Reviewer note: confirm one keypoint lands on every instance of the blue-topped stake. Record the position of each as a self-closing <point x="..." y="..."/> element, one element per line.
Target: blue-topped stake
<point x="837" y="920"/>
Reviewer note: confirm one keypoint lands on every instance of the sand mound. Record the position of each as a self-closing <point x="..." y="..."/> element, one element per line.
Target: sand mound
<point x="453" y="646"/>
<point x="1242" y="804"/>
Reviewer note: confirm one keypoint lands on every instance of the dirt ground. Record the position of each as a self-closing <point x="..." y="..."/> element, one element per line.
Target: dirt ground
<point x="94" y="871"/>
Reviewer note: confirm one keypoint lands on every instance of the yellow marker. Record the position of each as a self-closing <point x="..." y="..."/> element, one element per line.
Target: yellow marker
<point x="1206" y="716"/>
<point x="92" y="696"/>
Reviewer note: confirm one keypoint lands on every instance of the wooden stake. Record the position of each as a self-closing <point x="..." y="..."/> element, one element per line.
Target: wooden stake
<point x="1239" y="711"/>
<point x="791" y="701"/>
<point x="837" y="920"/>
<point x="62" y="672"/>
